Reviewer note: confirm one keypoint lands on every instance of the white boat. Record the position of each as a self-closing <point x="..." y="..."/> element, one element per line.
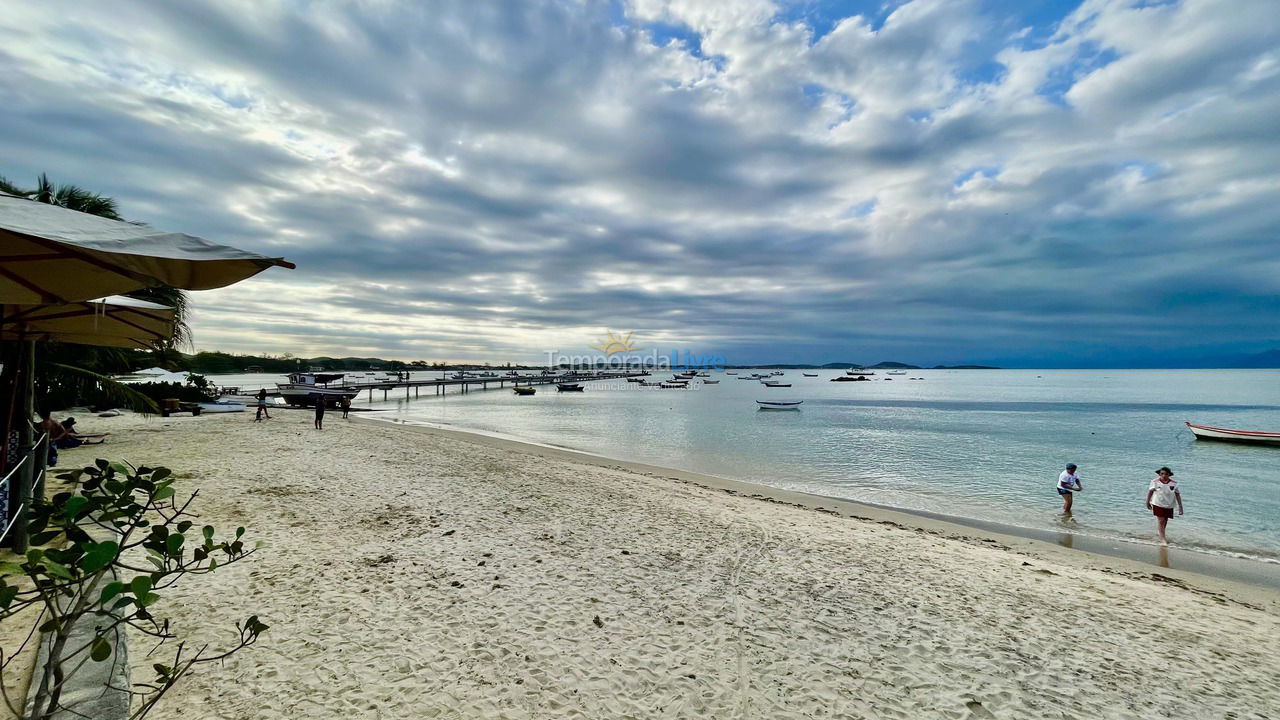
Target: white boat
<point x="730" y="372"/>
<point x="810" y="374"/>
<point x="776" y="384"/>
<point x="1205" y="432"/>
<point x="859" y="372"/>
<point x="221" y="406"/>
<point x="896" y="372"/>
<point x="779" y="404"/>
<point x="305" y="388"/>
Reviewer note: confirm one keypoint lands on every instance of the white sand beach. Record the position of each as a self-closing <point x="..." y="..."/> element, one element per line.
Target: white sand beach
<point x="428" y="574"/>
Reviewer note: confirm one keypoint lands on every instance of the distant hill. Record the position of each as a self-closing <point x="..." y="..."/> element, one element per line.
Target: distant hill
<point x="890" y="365"/>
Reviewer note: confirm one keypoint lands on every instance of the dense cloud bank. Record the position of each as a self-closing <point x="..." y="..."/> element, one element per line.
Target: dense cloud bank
<point x="930" y="181"/>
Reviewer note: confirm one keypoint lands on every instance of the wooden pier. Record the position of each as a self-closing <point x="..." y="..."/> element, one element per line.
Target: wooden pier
<point x="414" y="388"/>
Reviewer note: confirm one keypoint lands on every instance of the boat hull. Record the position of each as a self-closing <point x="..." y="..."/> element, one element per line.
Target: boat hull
<point x="221" y="407"/>
<point x="294" y="394"/>
<point x="1205" y="432"/>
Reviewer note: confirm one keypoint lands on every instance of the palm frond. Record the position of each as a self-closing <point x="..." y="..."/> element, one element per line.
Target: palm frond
<point x="10" y="188"/>
<point x="116" y="391"/>
<point x="179" y="301"/>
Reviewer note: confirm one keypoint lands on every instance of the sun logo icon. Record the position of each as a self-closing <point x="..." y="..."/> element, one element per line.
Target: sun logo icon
<point x="612" y="344"/>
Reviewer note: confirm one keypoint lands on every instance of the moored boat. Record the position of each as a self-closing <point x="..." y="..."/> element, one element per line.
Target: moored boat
<point x="524" y="389"/>
<point x="568" y="387"/>
<point x="777" y="384"/>
<point x="1206" y="432"/>
<point x="810" y="374"/>
<point x="710" y="382"/>
<point x="779" y="404"/>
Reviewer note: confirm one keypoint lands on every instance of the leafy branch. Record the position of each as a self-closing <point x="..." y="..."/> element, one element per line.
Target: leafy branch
<point x="120" y="521"/>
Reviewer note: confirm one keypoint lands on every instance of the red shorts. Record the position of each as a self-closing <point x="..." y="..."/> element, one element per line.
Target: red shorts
<point x="1161" y="512"/>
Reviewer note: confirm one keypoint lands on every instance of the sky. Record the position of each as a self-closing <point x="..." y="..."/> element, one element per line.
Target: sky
<point x="933" y="181"/>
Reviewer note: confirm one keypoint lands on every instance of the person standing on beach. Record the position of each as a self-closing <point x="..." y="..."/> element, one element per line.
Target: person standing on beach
<point x="262" y="406"/>
<point x="346" y="406"/>
<point x="319" y="410"/>
<point x="1068" y="482"/>
<point x="1161" y="497"/>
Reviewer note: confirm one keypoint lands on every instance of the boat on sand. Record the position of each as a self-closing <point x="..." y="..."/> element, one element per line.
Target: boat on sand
<point x="1253" y="437"/>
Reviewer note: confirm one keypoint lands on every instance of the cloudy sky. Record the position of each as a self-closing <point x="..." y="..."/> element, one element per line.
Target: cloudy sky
<point x="1021" y="183"/>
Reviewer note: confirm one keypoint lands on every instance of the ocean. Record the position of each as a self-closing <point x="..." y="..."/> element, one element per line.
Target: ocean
<point x="975" y="445"/>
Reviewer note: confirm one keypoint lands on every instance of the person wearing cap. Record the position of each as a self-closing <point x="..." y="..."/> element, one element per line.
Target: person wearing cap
<point x="1068" y="482"/>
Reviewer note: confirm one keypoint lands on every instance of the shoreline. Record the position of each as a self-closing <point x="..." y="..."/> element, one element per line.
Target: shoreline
<point x="1237" y="575"/>
<point x="448" y="574"/>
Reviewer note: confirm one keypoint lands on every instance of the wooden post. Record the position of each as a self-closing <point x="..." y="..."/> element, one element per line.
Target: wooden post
<point x="25" y="385"/>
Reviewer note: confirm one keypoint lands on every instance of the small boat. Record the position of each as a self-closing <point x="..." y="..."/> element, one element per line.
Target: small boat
<point x="568" y="387"/>
<point x="859" y="372"/>
<point x="710" y="382"/>
<point x="730" y="372"/>
<point x="635" y="379"/>
<point x="847" y="378"/>
<point x="1205" y="432"/>
<point x="524" y="389"/>
<point x="675" y="385"/>
<point x="221" y="406"/>
<point x="744" y="377"/>
<point x="779" y="404"/>
<point x="896" y="372"/>
<point x="810" y="374"/>
<point x="777" y="384"/>
<point x="305" y="388"/>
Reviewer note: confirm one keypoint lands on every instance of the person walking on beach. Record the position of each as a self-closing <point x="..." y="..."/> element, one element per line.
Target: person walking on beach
<point x="319" y="410"/>
<point x="1068" y="482"/>
<point x="262" y="406"/>
<point x="1161" y="497"/>
<point x="346" y="406"/>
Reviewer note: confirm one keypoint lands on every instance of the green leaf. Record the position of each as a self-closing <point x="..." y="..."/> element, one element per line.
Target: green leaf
<point x="73" y="505"/>
<point x="239" y="531"/>
<point x="120" y="468"/>
<point x="161" y="473"/>
<point x="146" y="599"/>
<point x="140" y="585"/>
<point x="9" y="568"/>
<point x="34" y="555"/>
<point x="111" y="590"/>
<point x="174" y="544"/>
<point x="7" y="594"/>
<point x="184" y="526"/>
<point x="57" y="569"/>
<point x="164" y="493"/>
<point x="101" y="649"/>
<point x="98" y="556"/>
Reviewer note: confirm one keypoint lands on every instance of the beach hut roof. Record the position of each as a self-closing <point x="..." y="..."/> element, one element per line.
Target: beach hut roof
<point x="49" y="254"/>
<point x="115" y="321"/>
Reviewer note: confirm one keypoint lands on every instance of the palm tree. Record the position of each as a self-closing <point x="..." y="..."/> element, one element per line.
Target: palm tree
<point x="90" y="370"/>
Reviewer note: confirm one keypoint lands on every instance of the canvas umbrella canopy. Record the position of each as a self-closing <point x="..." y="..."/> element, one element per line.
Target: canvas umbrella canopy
<point x="49" y="254"/>
<point x="115" y="321"/>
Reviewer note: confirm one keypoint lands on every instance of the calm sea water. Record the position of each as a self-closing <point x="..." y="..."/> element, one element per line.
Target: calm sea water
<point x="985" y="445"/>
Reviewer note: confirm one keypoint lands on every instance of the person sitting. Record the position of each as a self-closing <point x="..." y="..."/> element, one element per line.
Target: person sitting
<point x="70" y="438"/>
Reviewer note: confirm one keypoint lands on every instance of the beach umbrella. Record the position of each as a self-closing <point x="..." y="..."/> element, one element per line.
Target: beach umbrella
<point x="115" y="321"/>
<point x="49" y="254"/>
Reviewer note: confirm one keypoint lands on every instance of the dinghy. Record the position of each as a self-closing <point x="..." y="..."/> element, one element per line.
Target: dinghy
<point x="221" y="406"/>
<point x="569" y="387"/>
<point x="1205" y="432"/>
<point x="779" y="404"/>
<point x="524" y="389"/>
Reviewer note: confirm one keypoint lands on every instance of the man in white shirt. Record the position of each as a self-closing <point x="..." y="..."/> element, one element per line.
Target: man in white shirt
<point x="1068" y="482"/>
